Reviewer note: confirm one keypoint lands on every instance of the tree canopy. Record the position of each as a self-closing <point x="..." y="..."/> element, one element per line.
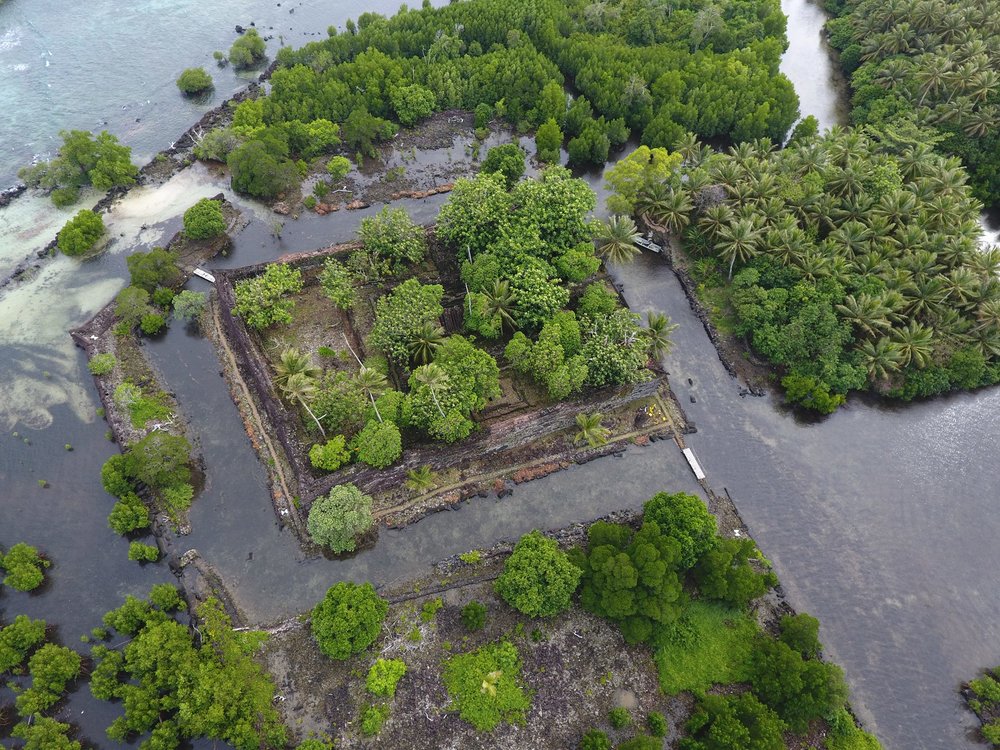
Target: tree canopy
<point x="538" y="579"/>
<point x="83" y="160"/>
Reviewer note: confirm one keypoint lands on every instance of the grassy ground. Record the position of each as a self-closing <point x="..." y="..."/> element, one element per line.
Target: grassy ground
<point x="709" y="645"/>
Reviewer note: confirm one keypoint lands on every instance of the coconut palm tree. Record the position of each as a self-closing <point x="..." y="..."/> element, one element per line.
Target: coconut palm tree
<point x="737" y="242"/>
<point x="302" y="388"/>
<point x="665" y="206"/>
<point x="292" y="361"/>
<point x="426" y="340"/>
<point x="434" y="378"/>
<point x="658" y="330"/>
<point x="880" y="358"/>
<point x="616" y="239"/>
<point x="916" y="344"/>
<point x="499" y="300"/>
<point x="373" y="383"/>
<point x="590" y="430"/>
<point x="869" y="315"/>
<point x="420" y="479"/>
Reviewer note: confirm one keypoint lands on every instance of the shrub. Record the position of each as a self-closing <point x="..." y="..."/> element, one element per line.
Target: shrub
<point x="596" y="300"/>
<point x="725" y="573"/>
<point x="101" y="364"/>
<point x="383" y="677"/>
<point x="484" y="686"/>
<point x="114" y="476"/>
<point x="18" y="639"/>
<point x="620" y="717"/>
<point x="844" y="734"/>
<point x="177" y="498"/>
<point x="379" y="444"/>
<point x="24" y="567"/>
<point x="474" y="616"/>
<point x="656" y="723"/>
<point x="163" y="297"/>
<point x="506" y="160"/>
<point x="595" y="739"/>
<point x="331" y="455"/>
<point x="392" y="236"/>
<point x="129" y="514"/>
<point x="687" y="520"/>
<point x="189" y="305"/>
<point x="642" y="742"/>
<point x="314" y="743"/>
<point x="348" y="619"/>
<point x="262" y="169"/>
<point x="482" y="115"/>
<point x="80" y="233"/>
<point x="337" y="282"/>
<point x="204" y="220"/>
<point x="262" y="301"/>
<point x="372" y="719"/>
<point x="152" y="323"/>
<point x="247" y="51"/>
<point x="801" y="632"/>
<point x="338" y="167"/>
<point x="139" y="552"/>
<point x="158" y="267"/>
<point x="194" y="81"/>
<point x="166" y="597"/>
<point x="83" y="158"/>
<point x="336" y="519"/>
<point x="159" y="460"/>
<point x="538" y="579"/>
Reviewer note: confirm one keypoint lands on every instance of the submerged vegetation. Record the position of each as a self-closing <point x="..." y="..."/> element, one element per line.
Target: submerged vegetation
<point x="849" y="260"/>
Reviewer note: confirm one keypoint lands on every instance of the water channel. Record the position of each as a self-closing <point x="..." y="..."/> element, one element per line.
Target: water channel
<point x="879" y="519"/>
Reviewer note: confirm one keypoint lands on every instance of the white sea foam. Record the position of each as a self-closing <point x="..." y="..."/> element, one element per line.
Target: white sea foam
<point x="11" y="38"/>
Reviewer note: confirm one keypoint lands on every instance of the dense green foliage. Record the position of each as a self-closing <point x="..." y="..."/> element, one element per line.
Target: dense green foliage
<point x="631" y="577"/>
<point x="331" y="455"/>
<point x="725" y="573"/>
<point x="384" y="676"/>
<point x="261" y="168"/>
<point x="156" y="268"/>
<point x="538" y="579"/>
<point x="80" y="233"/>
<point x="857" y="259"/>
<point x="263" y="300"/>
<point x="204" y="220"/>
<point x="161" y="462"/>
<point x="932" y="64"/>
<point x="18" y="639"/>
<point x="24" y="567"/>
<point x="248" y="50"/>
<point x="337" y="281"/>
<point x="348" y="619"/>
<point x="52" y="668"/>
<point x="798" y="689"/>
<point x="712" y="70"/>
<point x="379" y="444"/>
<point x="986" y="704"/>
<point x="194" y="81"/>
<point x="400" y="314"/>
<point x="83" y="160"/>
<point x="391" y="239"/>
<point x="336" y="519"/>
<point x="139" y="552"/>
<point x="175" y="690"/>
<point x="506" y="160"/>
<point x="735" y="722"/>
<point x="44" y="733"/>
<point x="485" y="686"/>
<point x="685" y="519"/>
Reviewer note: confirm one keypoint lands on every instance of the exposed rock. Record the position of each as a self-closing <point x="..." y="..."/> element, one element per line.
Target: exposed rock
<point x="281" y="208"/>
<point x="356" y="204"/>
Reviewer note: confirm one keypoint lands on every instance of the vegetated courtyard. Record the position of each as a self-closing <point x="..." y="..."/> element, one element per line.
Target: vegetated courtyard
<point x="670" y="639"/>
<point x="414" y="363"/>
